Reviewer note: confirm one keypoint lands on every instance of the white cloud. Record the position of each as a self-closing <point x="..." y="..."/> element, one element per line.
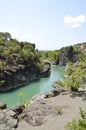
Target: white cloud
<point x="75" y="25"/>
<point x="74" y="21"/>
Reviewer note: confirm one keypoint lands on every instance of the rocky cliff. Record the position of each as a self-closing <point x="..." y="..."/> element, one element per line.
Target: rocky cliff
<point x="16" y="77"/>
<point x="67" y="54"/>
<point x="20" y="63"/>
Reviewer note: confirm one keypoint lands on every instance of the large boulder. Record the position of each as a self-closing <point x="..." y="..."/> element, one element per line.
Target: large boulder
<point x="2" y="116"/>
<point x="52" y="93"/>
<point x="3" y="106"/>
<point x="10" y="113"/>
<point x="45" y="71"/>
<point x="8" y="120"/>
<point x="18" y="109"/>
<point x="11" y="123"/>
<point x="35" y="114"/>
<point x="37" y="98"/>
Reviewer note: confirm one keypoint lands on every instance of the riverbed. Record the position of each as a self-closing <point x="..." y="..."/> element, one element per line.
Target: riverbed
<point x="36" y="87"/>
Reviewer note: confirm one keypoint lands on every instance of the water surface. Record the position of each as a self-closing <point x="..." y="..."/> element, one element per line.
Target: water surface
<point x="39" y="86"/>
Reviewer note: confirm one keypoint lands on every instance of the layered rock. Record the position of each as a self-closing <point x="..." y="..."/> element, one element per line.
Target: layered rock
<point x="8" y="120"/>
<point x="67" y="54"/>
<point x="34" y="114"/>
<point x="16" y="77"/>
<point x="45" y="71"/>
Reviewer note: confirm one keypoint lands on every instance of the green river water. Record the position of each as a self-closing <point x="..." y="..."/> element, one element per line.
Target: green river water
<point x="36" y="87"/>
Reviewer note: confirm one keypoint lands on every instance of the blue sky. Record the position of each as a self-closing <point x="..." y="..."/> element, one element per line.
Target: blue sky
<point x="50" y="24"/>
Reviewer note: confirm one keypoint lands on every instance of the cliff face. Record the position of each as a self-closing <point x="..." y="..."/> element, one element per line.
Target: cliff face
<point x="67" y="54"/>
<point x="17" y="77"/>
<point x="72" y="53"/>
<point x="20" y="63"/>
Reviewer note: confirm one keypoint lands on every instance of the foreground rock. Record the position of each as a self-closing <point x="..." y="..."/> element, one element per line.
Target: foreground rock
<point x="53" y="93"/>
<point x="68" y="103"/>
<point x="18" y="109"/>
<point x="2" y="106"/>
<point x="33" y="115"/>
<point x="8" y="120"/>
<point x="44" y="113"/>
<point x="40" y="97"/>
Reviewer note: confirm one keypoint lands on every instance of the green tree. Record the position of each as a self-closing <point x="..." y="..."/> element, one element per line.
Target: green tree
<point x="5" y="36"/>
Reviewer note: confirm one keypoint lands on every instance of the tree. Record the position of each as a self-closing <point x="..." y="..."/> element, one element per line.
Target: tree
<point x="5" y="36"/>
<point x="69" y="52"/>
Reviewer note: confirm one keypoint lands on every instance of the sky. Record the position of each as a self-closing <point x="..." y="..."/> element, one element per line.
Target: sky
<point x="50" y="24"/>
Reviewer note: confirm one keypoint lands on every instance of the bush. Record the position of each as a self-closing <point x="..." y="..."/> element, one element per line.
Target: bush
<point x="79" y="124"/>
<point x="75" y="76"/>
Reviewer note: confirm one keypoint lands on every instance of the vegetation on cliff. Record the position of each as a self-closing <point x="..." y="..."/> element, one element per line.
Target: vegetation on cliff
<point x="17" y="58"/>
<point x="52" y="56"/>
<point x="66" y="54"/>
<point x="21" y="63"/>
<point x="75" y="73"/>
<point x="61" y="56"/>
<point x="75" y="76"/>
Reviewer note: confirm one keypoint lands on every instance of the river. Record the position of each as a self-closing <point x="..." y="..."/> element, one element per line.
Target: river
<point x="36" y="87"/>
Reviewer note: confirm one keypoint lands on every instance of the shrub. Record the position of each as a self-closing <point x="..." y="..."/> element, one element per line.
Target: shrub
<point x="75" y="76"/>
<point x="59" y="110"/>
<point x="79" y="124"/>
<point x="22" y="99"/>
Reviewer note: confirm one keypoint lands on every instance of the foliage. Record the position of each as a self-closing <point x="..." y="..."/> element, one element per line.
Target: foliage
<point x="79" y="124"/>
<point x="75" y="76"/>
<point x="15" y="52"/>
<point x="23" y="55"/>
<point x="82" y="113"/>
<point x="22" y="99"/>
<point x="59" y="110"/>
<point x="19" y="55"/>
<point x="1" y="66"/>
<point x="69" y="51"/>
<point x="52" y="56"/>
<point x="5" y="36"/>
<point x="21" y="95"/>
<point x="2" y="82"/>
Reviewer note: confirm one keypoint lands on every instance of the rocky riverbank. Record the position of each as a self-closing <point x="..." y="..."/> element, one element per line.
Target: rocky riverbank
<point x="21" y="77"/>
<point x="50" y="111"/>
